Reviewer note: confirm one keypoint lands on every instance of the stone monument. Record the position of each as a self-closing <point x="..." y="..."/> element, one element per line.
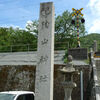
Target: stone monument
<point x="78" y="53"/>
<point x="95" y="46"/>
<point x="68" y="71"/>
<point x="45" y="55"/>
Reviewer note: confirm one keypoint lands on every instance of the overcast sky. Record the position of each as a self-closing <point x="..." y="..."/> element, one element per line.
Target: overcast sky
<point x="18" y="12"/>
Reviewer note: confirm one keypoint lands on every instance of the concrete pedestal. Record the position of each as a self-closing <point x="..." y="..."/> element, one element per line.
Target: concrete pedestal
<point x="68" y="87"/>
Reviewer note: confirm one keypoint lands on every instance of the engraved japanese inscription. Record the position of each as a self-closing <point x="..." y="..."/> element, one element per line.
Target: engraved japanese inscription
<point x="45" y="55"/>
<point x="45" y="11"/>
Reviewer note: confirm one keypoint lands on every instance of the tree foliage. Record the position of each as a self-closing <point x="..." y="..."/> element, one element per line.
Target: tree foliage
<point x="32" y="26"/>
<point x="88" y="40"/>
<point x="65" y="34"/>
<point x="65" y="31"/>
<point x="11" y="36"/>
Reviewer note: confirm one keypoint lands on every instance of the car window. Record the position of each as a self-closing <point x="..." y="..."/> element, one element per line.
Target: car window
<point x="29" y="97"/>
<point x="26" y="97"/>
<point x="21" y="97"/>
<point x="4" y="96"/>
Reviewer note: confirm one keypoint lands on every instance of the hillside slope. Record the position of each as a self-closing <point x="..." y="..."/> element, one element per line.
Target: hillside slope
<point x="88" y="40"/>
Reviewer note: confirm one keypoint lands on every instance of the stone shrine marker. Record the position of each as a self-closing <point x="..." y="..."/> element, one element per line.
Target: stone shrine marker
<point x="78" y="53"/>
<point x="45" y="63"/>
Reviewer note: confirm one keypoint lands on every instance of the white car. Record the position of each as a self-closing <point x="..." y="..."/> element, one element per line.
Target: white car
<point x="17" y="95"/>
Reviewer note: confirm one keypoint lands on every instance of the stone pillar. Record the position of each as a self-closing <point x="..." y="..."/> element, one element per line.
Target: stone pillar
<point x="68" y="87"/>
<point x="95" y="46"/>
<point x="45" y="56"/>
<point x="68" y="92"/>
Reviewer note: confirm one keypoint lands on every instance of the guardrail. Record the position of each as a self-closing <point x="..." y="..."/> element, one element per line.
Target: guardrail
<point x="31" y="47"/>
<point x="18" y="48"/>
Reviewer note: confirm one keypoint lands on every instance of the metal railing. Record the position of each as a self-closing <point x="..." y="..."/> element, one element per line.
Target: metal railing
<point x="18" y="48"/>
<point x="30" y="47"/>
<point x="33" y="47"/>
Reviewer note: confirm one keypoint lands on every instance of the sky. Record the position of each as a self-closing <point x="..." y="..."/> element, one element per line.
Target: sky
<point x="17" y="13"/>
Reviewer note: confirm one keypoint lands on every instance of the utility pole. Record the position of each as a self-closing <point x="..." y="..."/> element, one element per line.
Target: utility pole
<point x="77" y="13"/>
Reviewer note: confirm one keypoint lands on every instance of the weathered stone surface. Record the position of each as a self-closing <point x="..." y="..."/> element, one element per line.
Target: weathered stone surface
<point x="30" y="58"/>
<point x="97" y="62"/>
<point x="27" y="58"/>
<point x="17" y="78"/>
<point x="23" y="78"/>
<point x="95" y="46"/>
<point x="45" y="56"/>
<point x="58" y="87"/>
<point x="78" y="53"/>
<point x="98" y="90"/>
<point x="68" y="73"/>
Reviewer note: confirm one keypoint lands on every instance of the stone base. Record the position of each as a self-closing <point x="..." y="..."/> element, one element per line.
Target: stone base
<point x="68" y="87"/>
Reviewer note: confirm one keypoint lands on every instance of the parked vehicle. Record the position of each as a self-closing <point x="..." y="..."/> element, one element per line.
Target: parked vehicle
<point x="17" y="95"/>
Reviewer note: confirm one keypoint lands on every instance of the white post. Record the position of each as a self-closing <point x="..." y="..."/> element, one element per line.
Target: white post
<point x="45" y="56"/>
<point x="81" y="78"/>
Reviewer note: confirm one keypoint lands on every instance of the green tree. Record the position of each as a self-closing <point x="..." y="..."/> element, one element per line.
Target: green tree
<point x="4" y="39"/>
<point x="22" y="37"/>
<point x="65" y="31"/>
<point x="32" y="26"/>
<point x="15" y="36"/>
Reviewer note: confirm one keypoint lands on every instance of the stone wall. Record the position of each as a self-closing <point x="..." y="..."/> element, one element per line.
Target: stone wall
<point x="58" y="90"/>
<point x="23" y="78"/>
<point x="17" y="78"/>
<point x="97" y="62"/>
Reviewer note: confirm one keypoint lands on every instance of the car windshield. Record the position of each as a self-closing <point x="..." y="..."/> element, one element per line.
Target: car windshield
<point x="4" y="96"/>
